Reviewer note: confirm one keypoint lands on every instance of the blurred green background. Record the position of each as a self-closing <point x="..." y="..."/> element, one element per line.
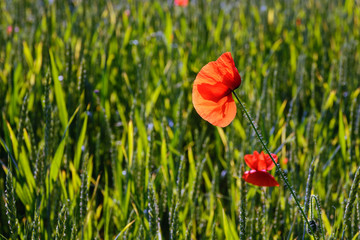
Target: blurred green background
<point x="101" y="139"/>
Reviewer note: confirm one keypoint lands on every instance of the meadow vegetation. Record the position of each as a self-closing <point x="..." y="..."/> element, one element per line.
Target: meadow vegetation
<point x="100" y="140"/>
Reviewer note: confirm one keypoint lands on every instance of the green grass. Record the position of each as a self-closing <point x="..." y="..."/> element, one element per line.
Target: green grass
<point x="99" y="138"/>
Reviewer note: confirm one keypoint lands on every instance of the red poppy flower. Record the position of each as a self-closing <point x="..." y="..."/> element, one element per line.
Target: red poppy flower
<point x="181" y="3"/>
<point x="260" y="164"/>
<point x="212" y="89"/>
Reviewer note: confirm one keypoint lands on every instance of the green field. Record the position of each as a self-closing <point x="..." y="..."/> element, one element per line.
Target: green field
<point x="100" y="139"/>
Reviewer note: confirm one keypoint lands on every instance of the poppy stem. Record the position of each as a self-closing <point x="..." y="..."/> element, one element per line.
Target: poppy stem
<point x="282" y="175"/>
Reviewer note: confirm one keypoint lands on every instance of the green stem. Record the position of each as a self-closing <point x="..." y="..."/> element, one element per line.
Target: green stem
<point x="282" y="175"/>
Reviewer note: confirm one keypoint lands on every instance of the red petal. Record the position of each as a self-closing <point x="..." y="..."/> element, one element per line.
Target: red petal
<point x="212" y="88"/>
<point x="182" y="3"/>
<point x="219" y="113"/>
<point x="213" y="92"/>
<point x="269" y="163"/>
<point x="260" y="161"/>
<point x="260" y="178"/>
<point x="251" y="161"/>
<point x="222" y="70"/>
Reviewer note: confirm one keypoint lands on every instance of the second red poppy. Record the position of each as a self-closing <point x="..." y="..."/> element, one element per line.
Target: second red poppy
<point x="260" y="163"/>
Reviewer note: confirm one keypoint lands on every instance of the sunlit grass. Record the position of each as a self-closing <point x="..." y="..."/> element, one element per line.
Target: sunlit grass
<point x="100" y="136"/>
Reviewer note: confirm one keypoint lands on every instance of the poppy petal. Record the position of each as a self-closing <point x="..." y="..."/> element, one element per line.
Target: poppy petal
<point x="182" y="3"/>
<point x="260" y="161"/>
<point x="260" y="178"/>
<point x="219" y="113"/>
<point x="213" y="92"/>
<point x="222" y="70"/>
<point x="252" y="161"/>
<point x="269" y="163"/>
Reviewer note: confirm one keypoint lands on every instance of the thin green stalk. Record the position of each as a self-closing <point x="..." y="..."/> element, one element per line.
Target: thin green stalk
<point x="318" y="208"/>
<point x="308" y="191"/>
<point x="350" y="203"/>
<point x="10" y="206"/>
<point x="282" y="175"/>
<point x="242" y="206"/>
